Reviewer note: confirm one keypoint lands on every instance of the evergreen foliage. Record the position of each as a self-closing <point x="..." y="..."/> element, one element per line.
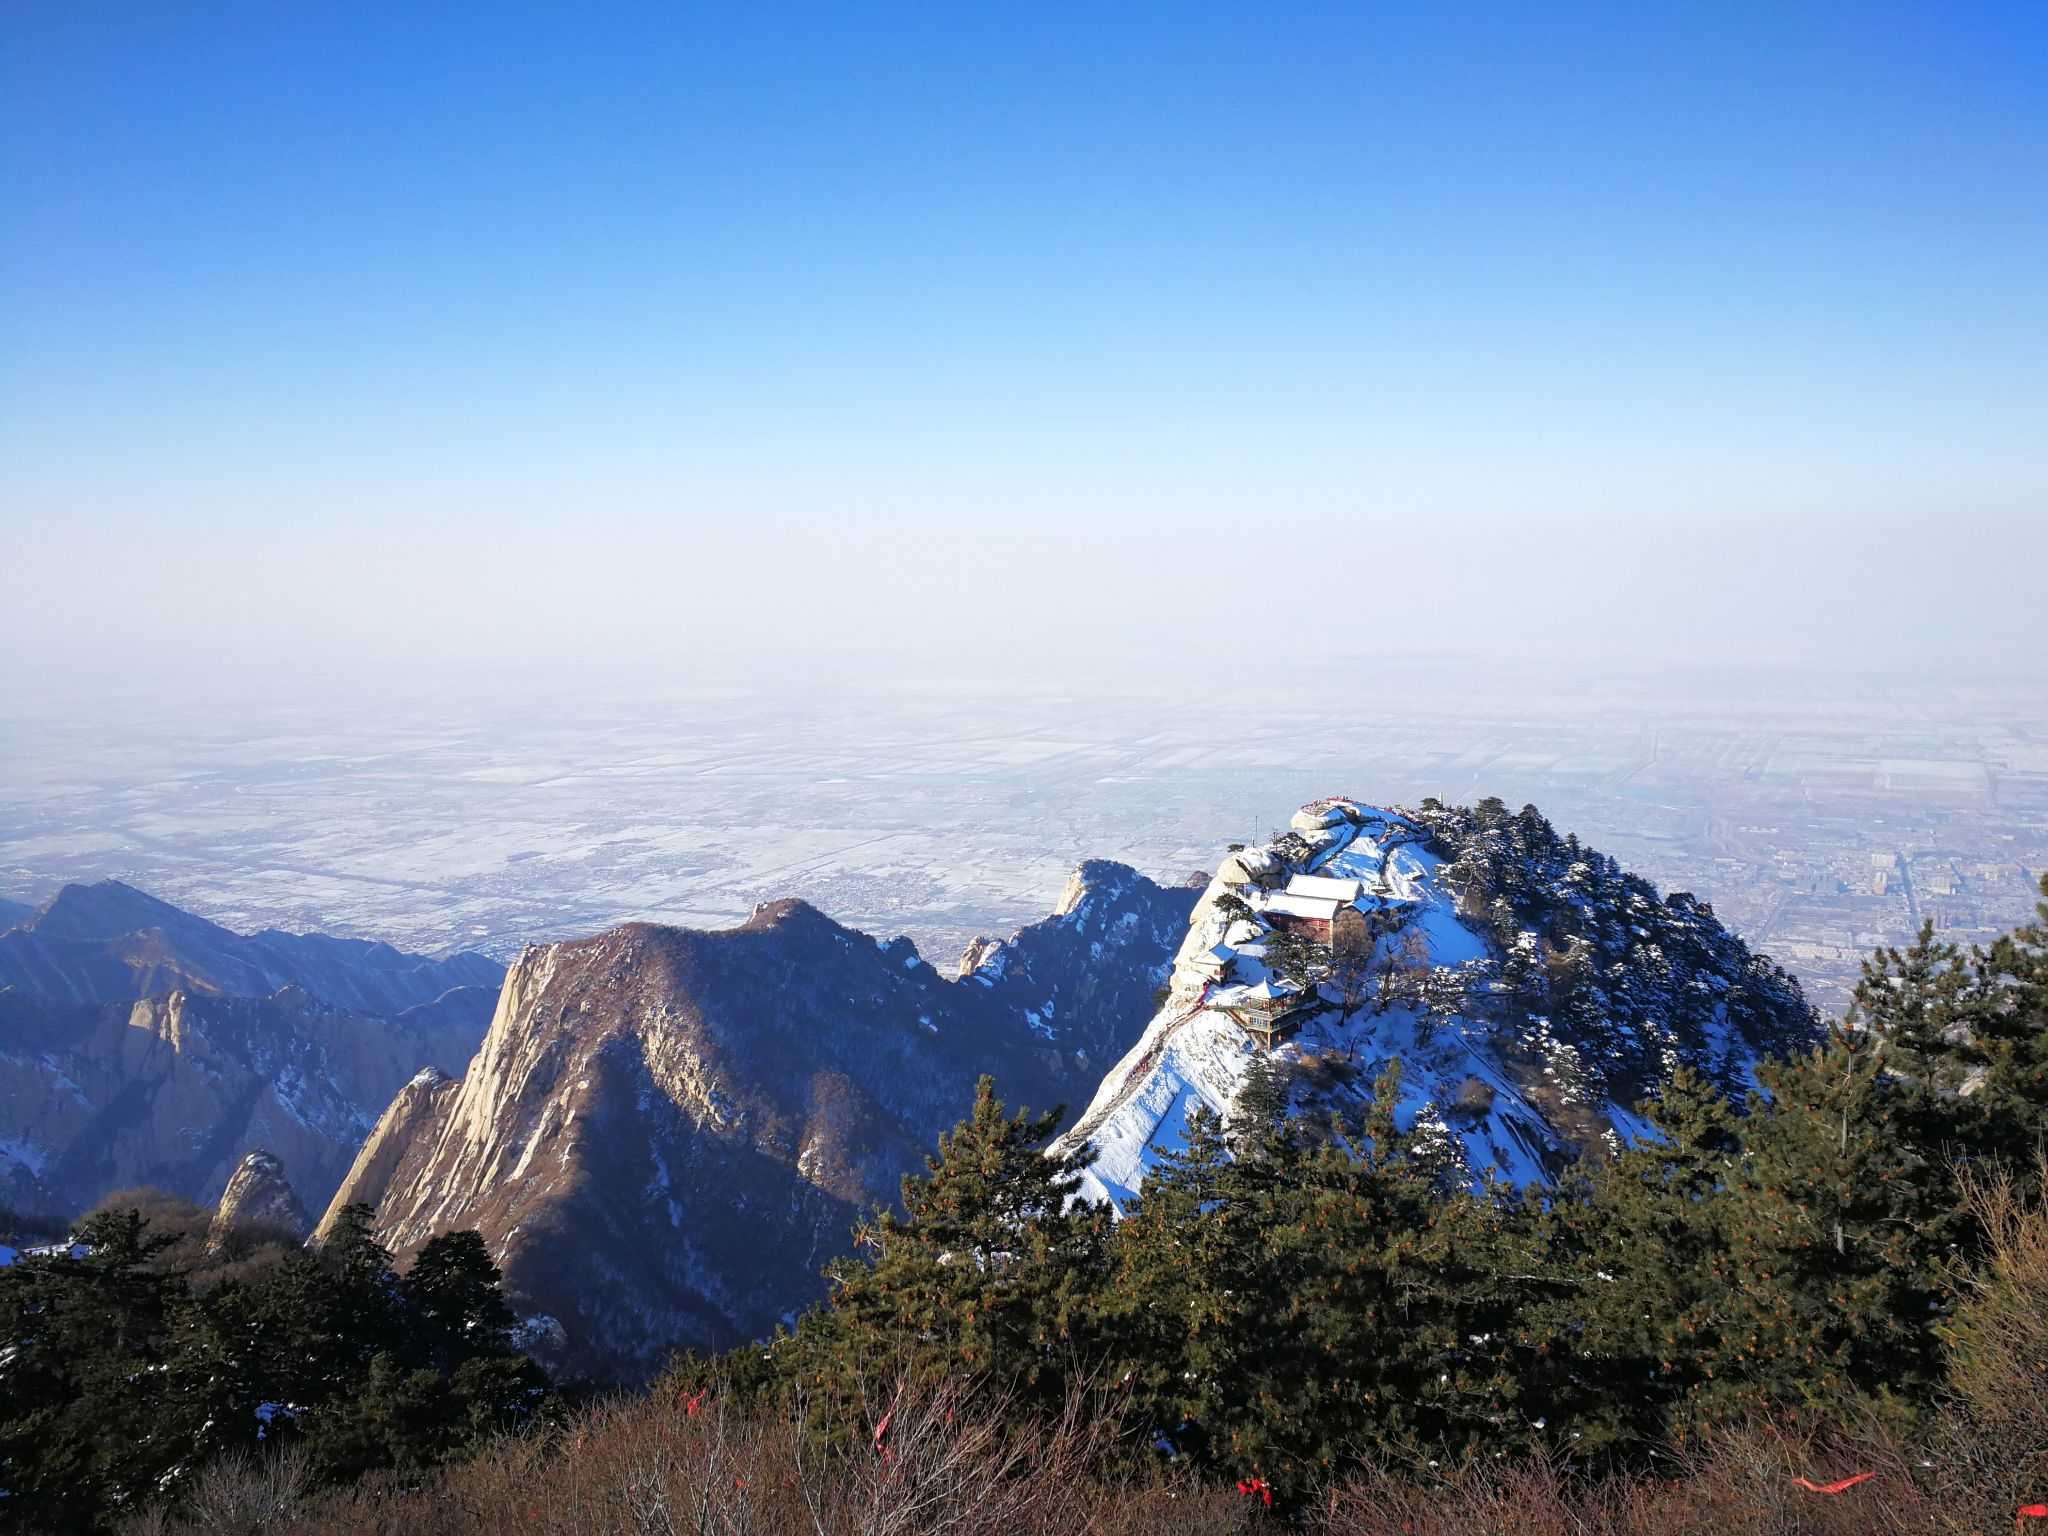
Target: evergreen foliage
<point x="125" y="1368"/>
<point x="1282" y="1306"/>
<point x="1288" y="1303"/>
<point x="1594" y="948"/>
<point x="987" y="1269"/>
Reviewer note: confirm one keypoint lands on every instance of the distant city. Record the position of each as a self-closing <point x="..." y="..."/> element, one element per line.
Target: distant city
<point x="1820" y="818"/>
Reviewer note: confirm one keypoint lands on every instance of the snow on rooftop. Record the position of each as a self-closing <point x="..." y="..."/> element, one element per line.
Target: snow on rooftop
<point x="1262" y="991"/>
<point x="1287" y="904"/>
<point x="1326" y="888"/>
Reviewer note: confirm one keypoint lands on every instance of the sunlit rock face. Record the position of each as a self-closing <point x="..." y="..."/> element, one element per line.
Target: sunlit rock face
<point x="668" y="1133"/>
<point x="259" y="1199"/>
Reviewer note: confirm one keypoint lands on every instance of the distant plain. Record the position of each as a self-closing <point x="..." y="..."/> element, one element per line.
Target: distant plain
<point x="1819" y="816"/>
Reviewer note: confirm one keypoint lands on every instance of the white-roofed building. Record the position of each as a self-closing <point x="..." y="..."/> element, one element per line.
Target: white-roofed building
<point x="1325" y="919"/>
<point x="1326" y="887"/>
<point x="1214" y="963"/>
<point x="1313" y="909"/>
<point x="1268" y="1013"/>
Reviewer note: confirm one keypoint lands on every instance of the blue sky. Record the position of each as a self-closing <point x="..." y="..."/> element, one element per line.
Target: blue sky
<point x="373" y="332"/>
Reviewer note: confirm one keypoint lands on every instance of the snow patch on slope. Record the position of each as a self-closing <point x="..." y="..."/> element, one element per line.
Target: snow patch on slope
<point x="1493" y="1100"/>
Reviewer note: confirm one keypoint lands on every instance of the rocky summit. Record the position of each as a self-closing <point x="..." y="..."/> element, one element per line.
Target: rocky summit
<point x="1529" y="990"/>
<point x="667" y="1133"/>
<point x="259" y="1198"/>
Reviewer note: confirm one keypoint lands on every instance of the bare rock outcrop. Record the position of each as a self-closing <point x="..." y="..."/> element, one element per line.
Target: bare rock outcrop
<point x="259" y="1197"/>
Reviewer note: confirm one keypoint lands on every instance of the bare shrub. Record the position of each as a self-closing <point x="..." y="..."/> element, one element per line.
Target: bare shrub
<point x="1474" y="1099"/>
<point x="242" y="1493"/>
<point x="949" y="1461"/>
<point x="963" y="1459"/>
<point x="1530" y="1499"/>
<point x="952" y="1459"/>
<point x="1745" y="1480"/>
<point x="1741" y="1483"/>
<point x="1998" y="1339"/>
<point x="168" y="1215"/>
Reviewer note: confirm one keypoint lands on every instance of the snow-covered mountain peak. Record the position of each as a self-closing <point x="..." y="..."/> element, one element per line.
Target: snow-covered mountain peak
<point x="1530" y="991"/>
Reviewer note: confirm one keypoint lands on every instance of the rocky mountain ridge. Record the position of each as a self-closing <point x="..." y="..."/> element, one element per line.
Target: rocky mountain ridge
<point x="109" y="942"/>
<point x="140" y="1044"/>
<point x="667" y="1133"/>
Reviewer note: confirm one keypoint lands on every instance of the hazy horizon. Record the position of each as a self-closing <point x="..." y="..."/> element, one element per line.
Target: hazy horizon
<point x="343" y="347"/>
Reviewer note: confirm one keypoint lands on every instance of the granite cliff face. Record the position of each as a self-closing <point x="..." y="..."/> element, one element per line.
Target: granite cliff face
<point x="161" y="1053"/>
<point x="667" y="1133"/>
<point x="1081" y="977"/>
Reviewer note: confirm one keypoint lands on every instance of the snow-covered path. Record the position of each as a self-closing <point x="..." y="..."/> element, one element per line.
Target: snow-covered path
<point x="1129" y="1080"/>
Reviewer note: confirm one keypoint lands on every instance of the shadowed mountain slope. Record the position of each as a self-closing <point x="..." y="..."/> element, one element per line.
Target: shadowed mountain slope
<point x="140" y="1044"/>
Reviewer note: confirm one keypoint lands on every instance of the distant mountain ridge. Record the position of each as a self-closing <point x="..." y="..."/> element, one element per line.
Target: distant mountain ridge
<point x="140" y="1044"/>
<point x="667" y="1132"/>
<point x="109" y="942"/>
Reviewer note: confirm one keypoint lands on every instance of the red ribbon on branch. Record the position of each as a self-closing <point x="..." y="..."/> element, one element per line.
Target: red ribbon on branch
<point x="1259" y="1486"/>
<point x="881" y="1430"/>
<point x="2028" y="1512"/>
<point x="1843" y="1486"/>
<point x="693" y="1402"/>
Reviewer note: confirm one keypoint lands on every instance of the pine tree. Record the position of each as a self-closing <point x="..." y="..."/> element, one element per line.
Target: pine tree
<point x="84" y="1332"/>
<point x="1966" y="1048"/>
<point x="1784" y="1261"/>
<point x="342" y="1309"/>
<point x="1842" y="1225"/>
<point x="455" y="1301"/>
<point x="1178" y="1312"/>
<point x="2011" y="1027"/>
<point x="986" y="1274"/>
<point x="1921" y="1002"/>
<point x="1260" y="1108"/>
<point x="120" y="1377"/>
<point x="1657" y="1277"/>
<point x="1396" y="1306"/>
